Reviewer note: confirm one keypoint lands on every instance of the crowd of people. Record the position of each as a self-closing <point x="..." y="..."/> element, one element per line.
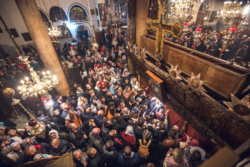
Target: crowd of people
<point x="106" y="120"/>
<point x="211" y="41"/>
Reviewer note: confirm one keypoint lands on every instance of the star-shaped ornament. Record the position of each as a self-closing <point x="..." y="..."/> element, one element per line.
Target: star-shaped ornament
<point x="174" y="73"/>
<point x="195" y="83"/>
<point x="239" y="107"/>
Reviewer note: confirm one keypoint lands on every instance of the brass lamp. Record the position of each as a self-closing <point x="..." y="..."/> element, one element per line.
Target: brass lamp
<point x="37" y="128"/>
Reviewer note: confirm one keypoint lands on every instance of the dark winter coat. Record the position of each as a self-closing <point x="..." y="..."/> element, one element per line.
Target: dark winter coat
<point x="63" y="148"/>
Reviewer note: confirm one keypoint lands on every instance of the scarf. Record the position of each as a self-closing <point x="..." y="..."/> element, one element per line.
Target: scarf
<point x="59" y="147"/>
<point x="105" y="151"/>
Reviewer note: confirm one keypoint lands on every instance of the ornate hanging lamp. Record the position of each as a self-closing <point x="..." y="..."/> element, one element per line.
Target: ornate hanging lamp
<point x="37" y="128"/>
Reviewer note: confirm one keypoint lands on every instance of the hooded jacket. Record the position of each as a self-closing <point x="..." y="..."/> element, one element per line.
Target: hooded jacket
<point x="133" y="161"/>
<point x="109" y="155"/>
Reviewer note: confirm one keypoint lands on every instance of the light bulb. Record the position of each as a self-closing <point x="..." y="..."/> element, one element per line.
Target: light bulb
<point x="24" y="89"/>
<point x="39" y="87"/>
<point x="48" y="82"/>
<point x="26" y="78"/>
<point x="48" y="72"/>
<point x="19" y="87"/>
<point x="43" y="73"/>
<point x="30" y="89"/>
<point x="22" y="81"/>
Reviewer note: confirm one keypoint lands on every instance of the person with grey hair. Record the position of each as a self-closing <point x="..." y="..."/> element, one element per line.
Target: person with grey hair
<point x="80" y="158"/>
<point x="29" y="152"/>
<point x="29" y="141"/>
<point x="16" y="153"/>
<point x="96" y="140"/>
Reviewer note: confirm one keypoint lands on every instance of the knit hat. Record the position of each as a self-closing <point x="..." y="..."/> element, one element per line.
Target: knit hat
<point x="146" y="134"/>
<point x="13" y="145"/>
<point x="2" y="125"/>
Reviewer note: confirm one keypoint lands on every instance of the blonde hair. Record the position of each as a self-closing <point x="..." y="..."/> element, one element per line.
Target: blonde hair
<point x="178" y="155"/>
<point x="91" y="91"/>
<point x="56" y="141"/>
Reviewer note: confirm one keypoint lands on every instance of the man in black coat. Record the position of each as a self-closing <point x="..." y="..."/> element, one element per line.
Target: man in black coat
<point x="109" y="154"/>
<point x="57" y="119"/>
<point x="94" y="157"/>
<point x="77" y="137"/>
<point x="80" y="158"/>
<point x="115" y="123"/>
<point x="82" y="50"/>
<point x="201" y="47"/>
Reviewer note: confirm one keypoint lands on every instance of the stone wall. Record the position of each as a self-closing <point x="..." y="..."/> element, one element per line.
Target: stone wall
<point x="13" y="19"/>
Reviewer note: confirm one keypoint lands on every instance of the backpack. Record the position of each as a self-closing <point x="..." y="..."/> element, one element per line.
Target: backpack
<point x="143" y="150"/>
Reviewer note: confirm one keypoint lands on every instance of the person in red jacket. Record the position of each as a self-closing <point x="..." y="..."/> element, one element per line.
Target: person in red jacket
<point x="128" y="137"/>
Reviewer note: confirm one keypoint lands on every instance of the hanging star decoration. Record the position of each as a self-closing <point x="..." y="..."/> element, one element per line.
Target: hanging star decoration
<point x="174" y="73"/>
<point x="239" y="107"/>
<point x="195" y="83"/>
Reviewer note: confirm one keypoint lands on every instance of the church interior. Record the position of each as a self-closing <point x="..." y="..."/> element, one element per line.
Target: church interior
<point x="117" y="83"/>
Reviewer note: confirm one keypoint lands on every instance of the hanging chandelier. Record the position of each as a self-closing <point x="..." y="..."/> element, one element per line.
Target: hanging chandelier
<point x="233" y="13"/>
<point x="36" y="85"/>
<point x="180" y="11"/>
<point x="54" y="31"/>
<point x="230" y="12"/>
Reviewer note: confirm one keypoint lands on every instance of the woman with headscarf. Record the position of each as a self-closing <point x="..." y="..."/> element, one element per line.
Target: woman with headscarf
<point x="128" y="137"/>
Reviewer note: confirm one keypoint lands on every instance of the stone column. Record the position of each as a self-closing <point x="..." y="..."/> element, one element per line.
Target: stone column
<point x="142" y="11"/>
<point x="131" y="21"/>
<point x="39" y="34"/>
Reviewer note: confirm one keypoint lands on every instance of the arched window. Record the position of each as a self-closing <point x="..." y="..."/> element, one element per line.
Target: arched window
<point x="82" y="33"/>
<point x="77" y="13"/>
<point x="57" y="14"/>
<point x="45" y="18"/>
<point x="65" y="32"/>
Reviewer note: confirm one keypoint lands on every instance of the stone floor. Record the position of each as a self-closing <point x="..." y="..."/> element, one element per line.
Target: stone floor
<point x="22" y="120"/>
